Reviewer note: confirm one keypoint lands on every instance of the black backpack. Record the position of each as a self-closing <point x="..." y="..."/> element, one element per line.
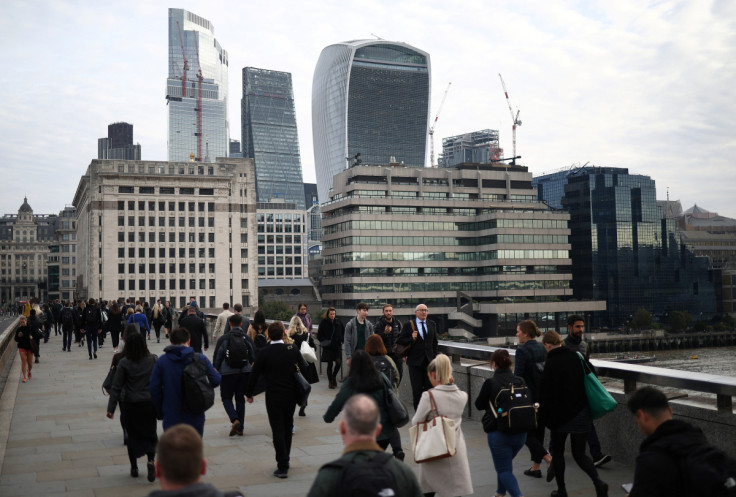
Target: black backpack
<point x="261" y="341"/>
<point x="90" y="316"/>
<point x="67" y="318"/>
<point x="514" y="408"/>
<point x="197" y="392"/>
<point x="237" y="353"/>
<point x="383" y="366"/>
<point x="369" y="478"/>
<point x="705" y="470"/>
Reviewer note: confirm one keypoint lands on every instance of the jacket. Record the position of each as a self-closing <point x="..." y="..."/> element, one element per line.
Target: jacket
<point x="165" y="386"/>
<point x="325" y="482"/>
<point x="424" y="349"/>
<point x="388" y="339"/>
<point x="563" y="390"/>
<point x="23" y="337"/>
<point x="277" y="363"/>
<point x="527" y="357"/>
<point x="131" y="380"/>
<point x="347" y="390"/>
<point x="332" y="330"/>
<point x="200" y="489"/>
<point x="220" y="357"/>
<point x="220" y="323"/>
<point x="351" y="335"/>
<point x="91" y="317"/>
<point x="197" y="331"/>
<point x="141" y="320"/>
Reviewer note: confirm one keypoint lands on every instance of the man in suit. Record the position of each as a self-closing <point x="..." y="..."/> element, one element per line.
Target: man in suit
<point x="422" y="335"/>
<point x="277" y="362"/>
<point x="197" y="330"/>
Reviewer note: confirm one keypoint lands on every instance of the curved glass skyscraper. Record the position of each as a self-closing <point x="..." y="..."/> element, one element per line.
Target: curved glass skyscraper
<point x="369" y="97"/>
<point x="196" y="89"/>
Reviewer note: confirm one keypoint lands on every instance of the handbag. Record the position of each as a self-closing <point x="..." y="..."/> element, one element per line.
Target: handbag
<point x="107" y="384"/>
<point x="303" y="388"/>
<point x="402" y="350"/>
<point x="308" y="352"/>
<point x="600" y="401"/>
<point x="433" y="438"/>
<point x="397" y="412"/>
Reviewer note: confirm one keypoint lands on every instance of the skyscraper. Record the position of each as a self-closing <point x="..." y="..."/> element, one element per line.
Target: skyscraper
<point x="119" y="143"/>
<point x="270" y="135"/>
<point x="369" y="97"/>
<point x="196" y="90"/>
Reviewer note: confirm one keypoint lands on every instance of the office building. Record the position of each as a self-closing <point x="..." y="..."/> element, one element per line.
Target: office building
<point x="62" y="260"/>
<point x="168" y="230"/>
<point x="119" y="143"/>
<point x="405" y="235"/>
<point x="478" y="147"/>
<point x="196" y="90"/>
<point x="235" y="148"/>
<point x="282" y="240"/>
<point x="370" y="103"/>
<point x="314" y="217"/>
<point x="269" y="135"/>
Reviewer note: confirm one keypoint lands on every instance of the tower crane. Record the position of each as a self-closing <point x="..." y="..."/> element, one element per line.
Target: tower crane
<point x="514" y="119"/>
<point x="431" y="128"/>
<point x="186" y="63"/>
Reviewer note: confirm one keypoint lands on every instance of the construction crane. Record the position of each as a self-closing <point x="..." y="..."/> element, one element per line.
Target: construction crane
<point x="514" y="119"/>
<point x="186" y="63"/>
<point x="431" y="128"/>
<point x="198" y="108"/>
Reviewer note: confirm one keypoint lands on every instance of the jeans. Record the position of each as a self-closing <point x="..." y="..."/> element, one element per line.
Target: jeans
<point x="233" y="385"/>
<point x="91" y="335"/>
<point x="66" y="338"/>
<point x="504" y="447"/>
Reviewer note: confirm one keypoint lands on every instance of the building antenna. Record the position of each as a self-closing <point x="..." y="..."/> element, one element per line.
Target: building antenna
<point x="431" y="128"/>
<point x="514" y="119"/>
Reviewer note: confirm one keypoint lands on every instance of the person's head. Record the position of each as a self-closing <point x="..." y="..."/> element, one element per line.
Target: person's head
<point x="236" y="321"/>
<point x="527" y="330"/>
<point x="575" y="325"/>
<point x="363" y="375"/>
<point x="192" y="310"/>
<point x="135" y="347"/>
<point x="115" y="309"/>
<point x="374" y="345"/>
<point x="500" y="359"/>
<point x="185" y="309"/>
<point x="179" y="457"/>
<point x="551" y="340"/>
<point x="275" y="331"/>
<point x="330" y="313"/>
<point x="296" y="327"/>
<point x="302" y="308"/>
<point x="179" y="336"/>
<point x="259" y="319"/>
<point x="440" y="370"/>
<point x="360" y="418"/>
<point x="650" y="409"/>
<point x="91" y="301"/>
<point x="361" y="310"/>
<point x="168" y="303"/>
<point x="23" y="321"/>
<point x="225" y="306"/>
<point x="192" y="300"/>
<point x="138" y="308"/>
<point x="129" y="311"/>
<point x="238" y="308"/>
<point x="421" y="312"/>
<point x="130" y="329"/>
<point x="388" y="312"/>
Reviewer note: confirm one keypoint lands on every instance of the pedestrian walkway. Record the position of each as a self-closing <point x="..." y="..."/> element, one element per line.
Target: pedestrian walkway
<point x="59" y="441"/>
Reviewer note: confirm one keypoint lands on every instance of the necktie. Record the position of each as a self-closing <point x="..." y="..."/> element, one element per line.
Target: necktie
<point x="424" y="331"/>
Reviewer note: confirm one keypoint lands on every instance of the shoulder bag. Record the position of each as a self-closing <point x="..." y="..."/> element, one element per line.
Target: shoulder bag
<point x="308" y="352"/>
<point x="402" y="350"/>
<point x="107" y="384"/>
<point x="396" y="409"/>
<point x="600" y="401"/>
<point x="433" y="438"/>
<point x="303" y="388"/>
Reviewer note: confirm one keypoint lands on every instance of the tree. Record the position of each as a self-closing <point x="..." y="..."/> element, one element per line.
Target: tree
<point x="680" y="320"/>
<point x="729" y="321"/>
<point x="642" y="319"/>
<point x="278" y="311"/>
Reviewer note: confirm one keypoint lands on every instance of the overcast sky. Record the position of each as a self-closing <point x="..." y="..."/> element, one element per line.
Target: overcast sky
<point x="647" y="85"/>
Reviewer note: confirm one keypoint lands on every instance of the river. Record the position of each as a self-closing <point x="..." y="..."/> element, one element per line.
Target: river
<point x="712" y="360"/>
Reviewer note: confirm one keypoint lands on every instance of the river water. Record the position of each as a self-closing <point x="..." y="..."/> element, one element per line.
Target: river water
<point x="712" y="360"/>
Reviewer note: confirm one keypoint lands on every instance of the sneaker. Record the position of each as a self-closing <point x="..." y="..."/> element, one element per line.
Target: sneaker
<point x="235" y="428"/>
<point x="281" y="473"/>
<point x="151" y="471"/>
<point x="90" y="358"/>
<point x="95" y="356"/>
<point x="399" y="454"/>
<point x="600" y="461"/>
<point x="25" y="380"/>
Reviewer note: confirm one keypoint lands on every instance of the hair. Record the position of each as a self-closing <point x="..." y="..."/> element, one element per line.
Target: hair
<point x="299" y="307"/>
<point x="276" y="331"/>
<point x="374" y="345"/>
<point x="180" y="454"/>
<point x="179" y="336"/>
<point x="650" y="400"/>
<point x="296" y="327"/>
<point x="361" y="415"/>
<point x="191" y="309"/>
<point x="129" y="311"/>
<point x="361" y="306"/>
<point x="238" y="307"/>
<point x="135" y="347"/>
<point x="574" y="318"/>
<point x="551" y="337"/>
<point x="91" y="301"/>
<point x="328" y="311"/>
<point x="529" y="328"/>
<point x="259" y="321"/>
<point x="501" y="359"/>
<point x="226" y="305"/>
<point x="130" y="330"/>
<point x="156" y="308"/>
<point x="387" y="305"/>
<point x="115" y="309"/>
<point x="23" y="319"/>
<point x="236" y="320"/>
<point x="138" y="308"/>
<point x="363" y="375"/>
<point x="442" y="368"/>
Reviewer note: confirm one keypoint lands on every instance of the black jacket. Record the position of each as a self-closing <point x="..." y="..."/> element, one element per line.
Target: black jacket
<point x="563" y="388"/>
<point x="277" y="363"/>
<point x="131" y="381"/>
<point x="423" y="349"/>
<point x="197" y="331"/>
<point x="23" y="337"/>
<point x="333" y="331"/>
<point x="388" y="339"/>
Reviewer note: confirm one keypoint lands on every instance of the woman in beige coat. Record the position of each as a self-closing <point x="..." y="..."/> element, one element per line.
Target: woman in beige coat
<point x="449" y="477"/>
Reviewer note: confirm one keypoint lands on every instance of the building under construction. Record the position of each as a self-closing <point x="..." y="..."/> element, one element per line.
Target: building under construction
<point x="478" y="147"/>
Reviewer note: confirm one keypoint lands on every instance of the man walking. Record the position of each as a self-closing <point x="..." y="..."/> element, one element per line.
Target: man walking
<point x="197" y="329"/>
<point x="222" y="320"/>
<point x="68" y="319"/>
<point x="92" y="325"/>
<point x="388" y="328"/>
<point x="357" y="331"/>
<point x="421" y="334"/>
<point x="238" y="308"/>
<point x="277" y="362"/>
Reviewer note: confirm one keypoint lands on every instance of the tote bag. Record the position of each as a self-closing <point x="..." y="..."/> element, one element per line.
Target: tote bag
<point x="600" y="401"/>
<point x="433" y="438"/>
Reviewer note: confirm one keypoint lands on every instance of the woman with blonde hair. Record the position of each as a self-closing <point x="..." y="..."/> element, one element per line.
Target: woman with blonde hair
<point x="298" y="333"/>
<point x="448" y="477"/>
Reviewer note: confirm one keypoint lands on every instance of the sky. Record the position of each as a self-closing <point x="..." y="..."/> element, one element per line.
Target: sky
<point x="646" y="85"/>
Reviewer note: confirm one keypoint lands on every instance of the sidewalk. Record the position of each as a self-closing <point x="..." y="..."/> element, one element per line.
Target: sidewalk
<point x="59" y="441"/>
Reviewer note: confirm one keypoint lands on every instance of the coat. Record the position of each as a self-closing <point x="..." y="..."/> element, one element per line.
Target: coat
<point x="347" y="390"/>
<point x="351" y="335"/>
<point x="423" y="350"/>
<point x="333" y="331"/>
<point x="562" y="395"/>
<point x="447" y="477"/>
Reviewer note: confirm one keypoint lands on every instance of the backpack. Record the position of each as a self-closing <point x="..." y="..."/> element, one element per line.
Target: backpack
<point x="237" y="353"/>
<point x="197" y="392"/>
<point x="67" y="318"/>
<point x="369" y="478"/>
<point x="90" y="316"/>
<point x="705" y="470"/>
<point x="383" y="366"/>
<point x="513" y="407"/>
<point x="260" y="341"/>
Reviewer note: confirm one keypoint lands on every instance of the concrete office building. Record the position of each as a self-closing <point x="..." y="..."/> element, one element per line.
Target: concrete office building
<point x="270" y="136"/>
<point x="404" y="235"/>
<point x="282" y="240"/>
<point x="62" y="260"/>
<point x="169" y="230"/>
<point x="196" y="90"/>
<point x="369" y="97"/>
<point x="478" y="147"/>
<point x="119" y="143"/>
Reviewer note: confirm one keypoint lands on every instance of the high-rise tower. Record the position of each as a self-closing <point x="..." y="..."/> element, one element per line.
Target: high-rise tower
<point x="369" y="97"/>
<point x="119" y="143"/>
<point x="196" y="89"/>
<point x="270" y="135"/>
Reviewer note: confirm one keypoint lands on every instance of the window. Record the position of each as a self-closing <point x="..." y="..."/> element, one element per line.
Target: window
<point x="212" y="284"/>
<point x="121" y="220"/>
<point x="162" y="252"/>
<point x="166" y="190"/>
<point x="152" y="269"/>
<point x="161" y="237"/>
<point x="162" y="268"/>
<point x="162" y="284"/>
<point x="121" y="285"/>
<point x="121" y="268"/>
<point x="131" y="268"/>
<point x="142" y="268"/>
<point x="172" y="237"/>
<point x="121" y="236"/>
<point x="172" y="284"/>
<point x="146" y="190"/>
<point x="125" y="189"/>
<point x="142" y="285"/>
<point x="131" y="220"/>
<point x="141" y="220"/>
<point x="211" y="222"/>
<point x="121" y="253"/>
<point x="211" y="252"/>
<point x="121" y="205"/>
<point x="211" y="237"/>
<point x="131" y="252"/>
<point x="186" y="191"/>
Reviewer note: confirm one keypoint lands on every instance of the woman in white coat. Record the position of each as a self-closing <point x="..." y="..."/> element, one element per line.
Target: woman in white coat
<point x="448" y="477"/>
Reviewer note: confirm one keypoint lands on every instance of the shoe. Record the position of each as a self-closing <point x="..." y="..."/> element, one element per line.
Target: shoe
<point x="63" y="349"/>
<point x="134" y="472"/>
<point x="399" y="454"/>
<point x="25" y="380"/>
<point x="29" y="375"/>
<point x="301" y="411"/>
<point x="158" y="341"/>
<point x="281" y="473"/>
<point x="551" y="471"/>
<point x="235" y="428"/>
<point x="151" y="471"/>
<point x="90" y="358"/>
<point x="36" y="360"/>
<point x="600" y="461"/>
<point x="601" y="489"/>
<point x="558" y="493"/>
<point x="534" y="473"/>
<point x="95" y="356"/>
<point x="239" y="433"/>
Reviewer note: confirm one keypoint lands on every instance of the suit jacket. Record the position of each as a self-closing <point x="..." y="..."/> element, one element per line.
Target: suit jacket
<point x="197" y="331"/>
<point x="424" y="349"/>
<point x="276" y="362"/>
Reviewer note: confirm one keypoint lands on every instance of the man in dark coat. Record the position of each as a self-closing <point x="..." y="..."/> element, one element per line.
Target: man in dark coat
<point x="422" y="335"/>
<point x="197" y="330"/>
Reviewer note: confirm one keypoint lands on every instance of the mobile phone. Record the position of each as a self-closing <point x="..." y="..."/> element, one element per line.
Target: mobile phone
<point x="626" y="487"/>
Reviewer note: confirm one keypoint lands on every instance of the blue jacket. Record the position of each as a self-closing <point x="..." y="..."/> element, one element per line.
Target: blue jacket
<point x="141" y="320"/>
<point x="165" y="386"/>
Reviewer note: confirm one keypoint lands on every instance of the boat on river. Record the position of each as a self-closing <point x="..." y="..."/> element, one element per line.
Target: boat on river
<point x="630" y="358"/>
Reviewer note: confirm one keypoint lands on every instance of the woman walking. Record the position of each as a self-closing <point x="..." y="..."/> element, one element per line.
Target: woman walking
<point x="157" y="320"/>
<point x="565" y="411"/>
<point x="330" y="335"/>
<point x="25" y="347"/>
<point x="257" y="331"/>
<point x="299" y="334"/>
<point x="140" y="319"/>
<point x="115" y="325"/>
<point x="130" y="389"/>
<point x="504" y="446"/>
<point x="448" y="477"/>
<point x="305" y="318"/>
<point x="384" y="364"/>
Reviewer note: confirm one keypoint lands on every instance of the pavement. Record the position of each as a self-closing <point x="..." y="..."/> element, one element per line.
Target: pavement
<point x="58" y="442"/>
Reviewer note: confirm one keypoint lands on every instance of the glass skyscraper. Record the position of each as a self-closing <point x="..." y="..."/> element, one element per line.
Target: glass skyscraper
<point x="269" y="135"/>
<point x="369" y="97"/>
<point x="196" y="90"/>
